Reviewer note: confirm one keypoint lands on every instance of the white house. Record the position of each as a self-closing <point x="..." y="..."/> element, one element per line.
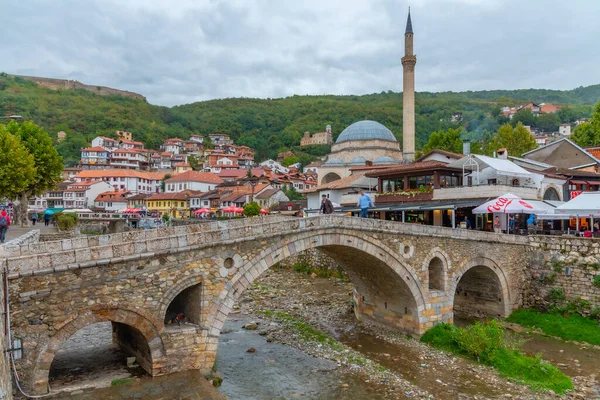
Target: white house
<point x="564" y="129"/>
<point x="192" y="180"/>
<point x="83" y="194"/>
<point x="274" y="166"/>
<point x="106" y="143"/>
<point x="133" y="181"/>
<point x="112" y="201"/>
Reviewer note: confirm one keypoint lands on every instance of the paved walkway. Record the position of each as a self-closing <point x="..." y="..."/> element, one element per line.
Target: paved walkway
<point x="16" y="231"/>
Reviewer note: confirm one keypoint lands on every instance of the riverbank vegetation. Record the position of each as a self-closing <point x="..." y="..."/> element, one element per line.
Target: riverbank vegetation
<point x="568" y="326"/>
<point x="486" y="343"/>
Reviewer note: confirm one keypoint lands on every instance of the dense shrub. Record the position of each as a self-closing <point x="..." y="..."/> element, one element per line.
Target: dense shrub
<point x="66" y="222"/>
<point x="485" y="342"/>
<point x="251" y="209"/>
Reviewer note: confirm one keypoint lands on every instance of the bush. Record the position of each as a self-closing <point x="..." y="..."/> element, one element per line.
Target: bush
<point x="596" y="281"/>
<point x="66" y="222"/>
<point x="481" y="340"/>
<point x="556" y="294"/>
<point x="251" y="209"/>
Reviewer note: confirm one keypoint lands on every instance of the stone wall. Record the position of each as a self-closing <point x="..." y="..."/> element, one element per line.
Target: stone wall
<point x="567" y="264"/>
<point x="314" y="258"/>
<point x="53" y="237"/>
<point x="5" y="373"/>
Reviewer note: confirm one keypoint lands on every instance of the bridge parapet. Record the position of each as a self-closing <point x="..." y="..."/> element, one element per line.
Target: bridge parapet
<point x="85" y="252"/>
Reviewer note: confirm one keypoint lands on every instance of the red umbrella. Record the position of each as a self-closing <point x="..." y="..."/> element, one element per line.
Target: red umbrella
<point x="264" y="211"/>
<point x="229" y="209"/>
<point x="238" y="210"/>
<point x="203" y="210"/>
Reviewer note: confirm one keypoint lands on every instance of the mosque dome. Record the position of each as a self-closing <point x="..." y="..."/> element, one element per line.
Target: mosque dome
<point x="366" y="130"/>
<point x="384" y="160"/>
<point x="334" y="161"/>
<point x="358" y="161"/>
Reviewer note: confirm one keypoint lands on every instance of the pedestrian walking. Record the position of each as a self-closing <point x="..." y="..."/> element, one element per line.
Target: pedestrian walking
<point x="34" y="218"/>
<point x="364" y="202"/>
<point x="497" y="226"/>
<point x="4" y="224"/>
<point x="47" y="219"/>
<point x="326" y="206"/>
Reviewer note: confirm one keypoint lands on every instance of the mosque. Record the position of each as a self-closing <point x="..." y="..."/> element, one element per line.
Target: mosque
<point x="368" y="142"/>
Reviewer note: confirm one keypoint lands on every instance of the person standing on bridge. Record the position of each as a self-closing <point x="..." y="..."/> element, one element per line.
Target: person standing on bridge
<point x="364" y="202"/>
<point x="497" y="225"/>
<point x="47" y="219"/>
<point x="326" y="206"/>
<point x="4" y="224"/>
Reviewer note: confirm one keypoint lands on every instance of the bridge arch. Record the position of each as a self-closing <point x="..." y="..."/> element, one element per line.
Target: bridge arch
<point x="137" y="320"/>
<point x="188" y="289"/>
<point x="345" y="248"/>
<point x="480" y="288"/>
<point x="435" y="269"/>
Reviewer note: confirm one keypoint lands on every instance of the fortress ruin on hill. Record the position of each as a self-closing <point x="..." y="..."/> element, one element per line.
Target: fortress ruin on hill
<point x="65" y="84"/>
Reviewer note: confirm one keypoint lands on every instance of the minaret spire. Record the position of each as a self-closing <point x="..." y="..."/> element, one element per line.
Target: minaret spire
<point x="408" y="94"/>
<point x="408" y="23"/>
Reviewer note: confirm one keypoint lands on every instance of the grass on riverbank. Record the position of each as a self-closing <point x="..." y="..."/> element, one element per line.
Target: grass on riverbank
<point x="568" y="327"/>
<point x="485" y="342"/>
<point x="305" y="331"/>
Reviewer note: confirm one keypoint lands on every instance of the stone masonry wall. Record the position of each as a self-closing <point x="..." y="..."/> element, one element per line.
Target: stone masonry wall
<point x="5" y="373"/>
<point x="314" y="258"/>
<point x="567" y="264"/>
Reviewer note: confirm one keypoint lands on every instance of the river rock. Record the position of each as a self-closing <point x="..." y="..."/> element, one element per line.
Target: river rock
<point x="251" y="326"/>
<point x="251" y="350"/>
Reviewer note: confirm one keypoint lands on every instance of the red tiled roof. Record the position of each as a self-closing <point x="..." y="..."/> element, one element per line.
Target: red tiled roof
<point x="123" y="173"/>
<point x="195" y="176"/>
<point x="407" y="168"/>
<point x="112" y="195"/>
<point x="96" y="148"/>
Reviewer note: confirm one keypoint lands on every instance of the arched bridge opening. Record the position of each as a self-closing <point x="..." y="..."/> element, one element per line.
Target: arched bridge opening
<point x="94" y="348"/>
<point x="481" y="291"/>
<point x="387" y="290"/>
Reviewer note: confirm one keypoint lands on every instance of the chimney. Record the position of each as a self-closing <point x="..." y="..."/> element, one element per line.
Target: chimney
<point x="503" y="154"/>
<point x="466" y="147"/>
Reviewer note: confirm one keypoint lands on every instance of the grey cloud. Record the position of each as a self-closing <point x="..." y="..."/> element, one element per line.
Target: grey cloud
<point x="179" y="52"/>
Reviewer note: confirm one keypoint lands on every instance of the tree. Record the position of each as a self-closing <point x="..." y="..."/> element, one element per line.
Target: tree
<point x="207" y="143"/>
<point x="548" y="122"/>
<point x="251" y="209"/>
<point x="588" y="133"/>
<point x="48" y="164"/>
<point x="291" y="193"/>
<point x="196" y="162"/>
<point x="286" y="162"/>
<point x="17" y="166"/>
<point x="448" y="140"/>
<point x="162" y="182"/>
<point x="524" y="116"/>
<point x="516" y="140"/>
<point x="70" y="149"/>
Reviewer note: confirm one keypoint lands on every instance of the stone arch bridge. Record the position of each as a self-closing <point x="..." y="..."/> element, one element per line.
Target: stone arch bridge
<point x="406" y="276"/>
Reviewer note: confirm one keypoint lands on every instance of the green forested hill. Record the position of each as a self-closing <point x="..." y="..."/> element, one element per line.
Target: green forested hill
<point x="268" y="125"/>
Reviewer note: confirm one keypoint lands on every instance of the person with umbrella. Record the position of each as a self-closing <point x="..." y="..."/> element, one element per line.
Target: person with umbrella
<point x="47" y="216"/>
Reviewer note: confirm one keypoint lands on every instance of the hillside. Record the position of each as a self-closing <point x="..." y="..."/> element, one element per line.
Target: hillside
<point x="268" y="125"/>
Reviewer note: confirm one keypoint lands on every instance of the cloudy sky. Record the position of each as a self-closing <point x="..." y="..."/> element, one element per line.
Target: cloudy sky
<point x="180" y="51"/>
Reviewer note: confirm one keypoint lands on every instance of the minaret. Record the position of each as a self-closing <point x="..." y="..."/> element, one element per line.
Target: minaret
<point x="408" y="110"/>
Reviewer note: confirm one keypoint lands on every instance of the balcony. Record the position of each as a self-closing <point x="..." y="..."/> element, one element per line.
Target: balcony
<point x="404" y="197"/>
<point x="484" y="191"/>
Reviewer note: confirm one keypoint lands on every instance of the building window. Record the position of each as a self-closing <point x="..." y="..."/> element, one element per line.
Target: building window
<point x="416" y="182"/>
<point x="448" y="181"/>
<point x="392" y="185"/>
